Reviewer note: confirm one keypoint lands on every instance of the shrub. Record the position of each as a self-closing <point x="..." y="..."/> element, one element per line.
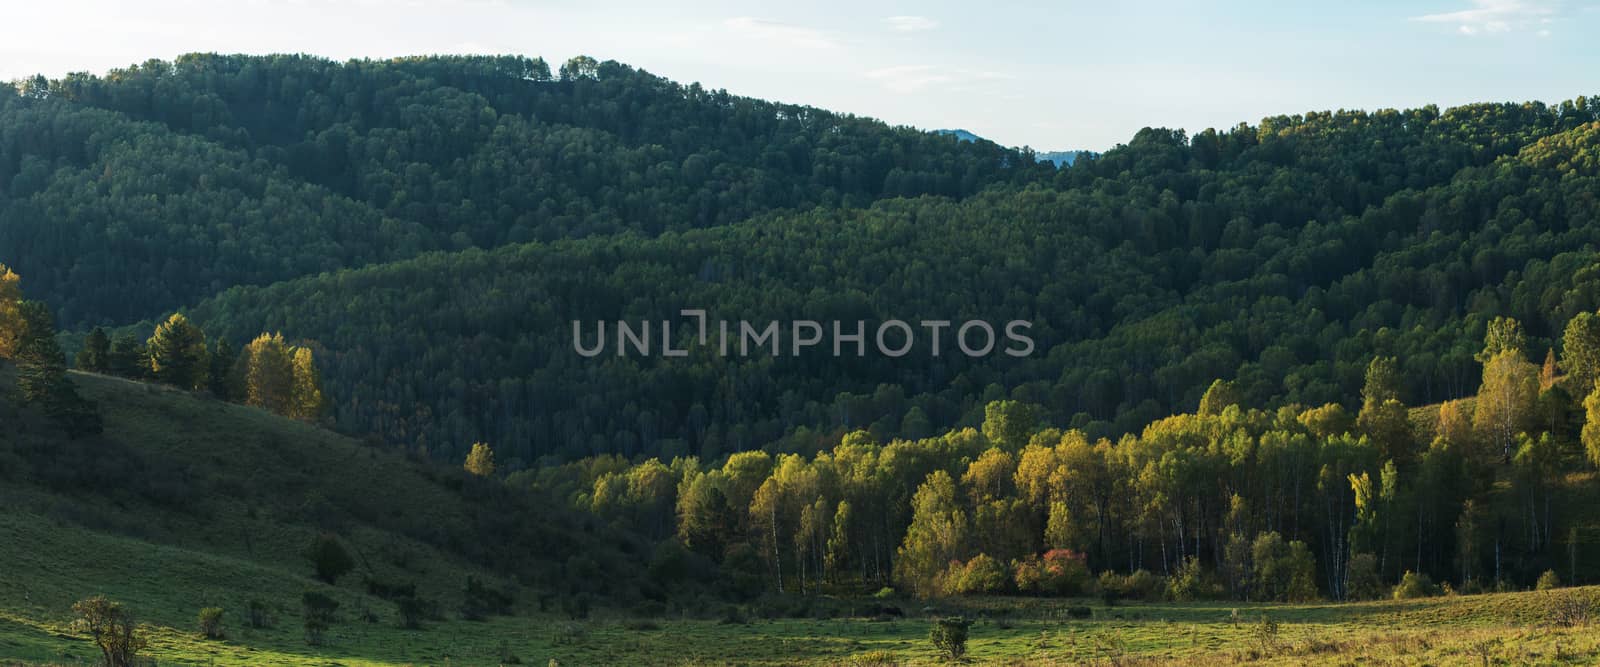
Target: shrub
<point x="1414" y="585"/>
<point x="211" y="623"/>
<point x="1079" y="612"/>
<point x="1193" y="582"/>
<point x="413" y="610"/>
<point x="258" y="615"/>
<point x="317" y="610"/>
<point x="112" y="629"/>
<point x="1571" y="608"/>
<point x="1548" y="581"/>
<point x="1361" y="578"/>
<point x="1144" y="585"/>
<point x="980" y="575"/>
<point x="1060" y="572"/>
<point x="481" y="601"/>
<point x="884" y="593"/>
<point x="949" y="636"/>
<point x="329" y="558"/>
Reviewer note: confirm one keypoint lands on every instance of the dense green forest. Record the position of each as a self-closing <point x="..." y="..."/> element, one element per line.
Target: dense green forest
<point x="154" y="186"/>
<point x="431" y="226"/>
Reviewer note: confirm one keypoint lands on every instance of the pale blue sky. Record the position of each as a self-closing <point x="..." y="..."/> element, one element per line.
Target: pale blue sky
<point x="1056" y="75"/>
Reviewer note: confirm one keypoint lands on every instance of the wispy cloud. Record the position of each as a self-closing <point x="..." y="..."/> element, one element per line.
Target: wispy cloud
<point x="1498" y="16"/>
<point x="778" y="31"/>
<point x="917" y="78"/>
<point x="910" y="23"/>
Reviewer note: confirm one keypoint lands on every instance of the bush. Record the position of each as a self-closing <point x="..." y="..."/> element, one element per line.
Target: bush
<point x="1571" y="608"/>
<point x="1361" y="578"/>
<point x="1145" y="585"/>
<point x="317" y="610"/>
<point x="1079" y="612"/>
<point x="211" y="623"/>
<point x="112" y="629"/>
<point x="481" y="601"/>
<point x="1414" y="585"/>
<point x="1193" y="582"/>
<point x="884" y="593"/>
<point x="1061" y="572"/>
<point x="1548" y="581"/>
<point x="413" y="610"/>
<point x="258" y="615"/>
<point x="949" y="636"/>
<point x="329" y="558"/>
<point x="981" y="575"/>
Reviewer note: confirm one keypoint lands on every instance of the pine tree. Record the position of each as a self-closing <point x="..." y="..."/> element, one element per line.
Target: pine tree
<point x="219" y="370"/>
<point x="129" y="358"/>
<point x="42" y="374"/>
<point x="178" y="353"/>
<point x="95" y="357"/>
<point x="306" y="401"/>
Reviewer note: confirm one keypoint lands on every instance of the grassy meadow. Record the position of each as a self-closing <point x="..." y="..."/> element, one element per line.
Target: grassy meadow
<point x="1498" y="629"/>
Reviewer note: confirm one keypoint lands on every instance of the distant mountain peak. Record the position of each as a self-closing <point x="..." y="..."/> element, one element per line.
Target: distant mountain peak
<point x="1059" y="158"/>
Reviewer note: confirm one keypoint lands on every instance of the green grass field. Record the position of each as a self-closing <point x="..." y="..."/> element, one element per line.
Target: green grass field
<point x="1501" y="629"/>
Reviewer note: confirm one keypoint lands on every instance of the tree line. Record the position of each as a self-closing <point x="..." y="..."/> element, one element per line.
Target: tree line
<point x="1229" y="501"/>
<point x="267" y="373"/>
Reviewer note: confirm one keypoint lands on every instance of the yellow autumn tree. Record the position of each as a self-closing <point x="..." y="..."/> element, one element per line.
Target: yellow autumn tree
<point x="268" y="373"/>
<point x="11" y="324"/>
<point x="306" y="401"/>
<point x="1505" y="400"/>
<point x="480" y="461"/>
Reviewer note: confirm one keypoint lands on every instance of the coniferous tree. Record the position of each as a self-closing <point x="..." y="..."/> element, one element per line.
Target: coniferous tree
<point x="95" y="357"/>
<point x="178" y="353"/>
<point x="219" y="370"/>
<point x="129" y="357"/>
<point x="42" y="374"/>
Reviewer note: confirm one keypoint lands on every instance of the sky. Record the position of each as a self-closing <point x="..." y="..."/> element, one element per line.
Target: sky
<point x="1054" y="76"/>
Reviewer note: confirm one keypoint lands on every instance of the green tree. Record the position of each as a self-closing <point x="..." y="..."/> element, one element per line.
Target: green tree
<point x="1591" y="425"/>
<point x="1218" y="397"/>
<point x="1506" y="399"/>
<point x="112" y="629"/>
<point x="937" y="534"/>
<point x="329" y="558"/>
<point x="220" y="368"/>
<point x="1580" y="349"/>
<point x="129" y="357"/>
<point x="95" y="357"/>
<point x="1008" y="424"/>
<point x="178" y="353"/>
<point x="1503" y="334"/>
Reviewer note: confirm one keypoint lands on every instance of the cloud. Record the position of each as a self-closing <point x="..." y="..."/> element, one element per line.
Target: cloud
<point x="1497" y="16"/>
<point x="910" y="23"/>
<point x="777" y="31"/>
<point x="917" y="78"/>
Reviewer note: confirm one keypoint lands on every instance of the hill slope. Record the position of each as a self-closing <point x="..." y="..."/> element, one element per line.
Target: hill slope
<point x="188" y="503"/>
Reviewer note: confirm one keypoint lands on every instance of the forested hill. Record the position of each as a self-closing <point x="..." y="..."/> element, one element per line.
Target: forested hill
<point x="128" y="195"/>
<point x="1284" y="256"/>
<point x="432" y="226"/>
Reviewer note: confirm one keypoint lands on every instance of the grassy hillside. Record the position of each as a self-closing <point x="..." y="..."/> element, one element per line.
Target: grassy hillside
<point x="188" y="503"/>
